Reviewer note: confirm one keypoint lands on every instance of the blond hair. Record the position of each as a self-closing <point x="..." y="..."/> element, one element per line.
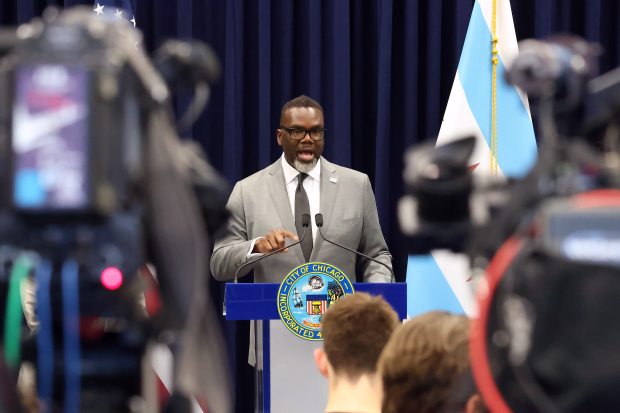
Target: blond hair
<point x="421" y="362"/>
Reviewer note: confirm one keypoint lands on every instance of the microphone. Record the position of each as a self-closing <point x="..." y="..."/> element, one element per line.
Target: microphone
<point x="318" y="219"/>
<point x="305" y="223"/>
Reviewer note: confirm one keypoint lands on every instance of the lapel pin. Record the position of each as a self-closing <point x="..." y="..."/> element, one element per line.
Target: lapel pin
<point x="333" y="180"/>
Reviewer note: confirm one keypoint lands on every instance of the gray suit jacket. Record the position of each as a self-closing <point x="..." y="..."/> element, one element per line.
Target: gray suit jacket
<point x="259" y="203"/>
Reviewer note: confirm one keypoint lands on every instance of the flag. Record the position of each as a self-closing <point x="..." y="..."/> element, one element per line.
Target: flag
<point x="115" y="9"/>
<point x="442" y="280"/>
<point x="160" y="374"/>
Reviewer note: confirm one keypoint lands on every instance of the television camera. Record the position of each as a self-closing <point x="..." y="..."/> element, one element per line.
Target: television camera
<point x="95" y="183"/>
<point x="544" y="248"/>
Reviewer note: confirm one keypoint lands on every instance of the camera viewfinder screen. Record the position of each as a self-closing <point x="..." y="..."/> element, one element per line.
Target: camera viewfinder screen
<point x="50" y="138"/>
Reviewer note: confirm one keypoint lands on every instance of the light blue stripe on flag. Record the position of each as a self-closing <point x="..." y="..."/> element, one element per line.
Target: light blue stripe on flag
<point x="516" y="139"/>
<point x="427" y="288"/>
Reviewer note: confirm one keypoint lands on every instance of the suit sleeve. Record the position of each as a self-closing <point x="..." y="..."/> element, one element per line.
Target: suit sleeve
<point x="372" y="242"/>
<point x="231" y="248"/>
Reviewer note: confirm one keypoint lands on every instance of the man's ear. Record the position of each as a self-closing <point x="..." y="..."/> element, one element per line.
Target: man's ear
<point x="279" y="136"/>
<point x="320" y="359"/>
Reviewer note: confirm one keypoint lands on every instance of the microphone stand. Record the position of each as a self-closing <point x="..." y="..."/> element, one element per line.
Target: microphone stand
<point x="318" y="219"/>
<point x="305" y="223"/>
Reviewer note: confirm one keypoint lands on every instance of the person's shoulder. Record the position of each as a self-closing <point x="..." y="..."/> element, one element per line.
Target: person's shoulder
<point x="259" y="176"/>
<point x="344" y="171"/>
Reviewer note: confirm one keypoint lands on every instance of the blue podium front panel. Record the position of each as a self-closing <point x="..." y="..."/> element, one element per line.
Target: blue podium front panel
<point x="258" y="301"/>
<point x="281" y="350"/>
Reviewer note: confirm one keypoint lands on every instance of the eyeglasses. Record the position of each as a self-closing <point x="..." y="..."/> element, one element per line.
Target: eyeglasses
<point x="298" y="134"/>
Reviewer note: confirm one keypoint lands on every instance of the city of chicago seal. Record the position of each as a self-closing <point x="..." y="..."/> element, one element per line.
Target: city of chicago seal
<point x="306" y="293"/>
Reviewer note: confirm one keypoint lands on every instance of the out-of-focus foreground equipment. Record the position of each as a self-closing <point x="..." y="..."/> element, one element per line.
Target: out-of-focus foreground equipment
<point x="94" y="184"/>
<point x="545" y="248"/>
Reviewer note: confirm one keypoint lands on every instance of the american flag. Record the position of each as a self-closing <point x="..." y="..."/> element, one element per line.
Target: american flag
<point x="115" y="9"/>
<point x="162" y="359"/>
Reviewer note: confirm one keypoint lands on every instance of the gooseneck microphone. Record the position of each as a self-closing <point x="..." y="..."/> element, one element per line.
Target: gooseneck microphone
<point x="318" y="219"/>
<point x="305" y="223"/>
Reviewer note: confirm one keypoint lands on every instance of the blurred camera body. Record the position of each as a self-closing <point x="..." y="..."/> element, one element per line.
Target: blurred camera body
<point x="94" y="178"/>
<point x="544" y="247"/>
<point x="71" y="150"/>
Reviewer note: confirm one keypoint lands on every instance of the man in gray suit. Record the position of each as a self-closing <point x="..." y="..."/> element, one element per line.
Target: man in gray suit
<point x="266" y="209"/>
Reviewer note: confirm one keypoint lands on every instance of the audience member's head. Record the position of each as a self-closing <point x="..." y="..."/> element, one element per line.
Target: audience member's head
<point x="355" y="330"/>
<point x="464" y="396"/>
<point x="422" y="361"/>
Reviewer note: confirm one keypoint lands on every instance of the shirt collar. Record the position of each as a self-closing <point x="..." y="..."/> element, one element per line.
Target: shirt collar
<point x="291" y="173"/>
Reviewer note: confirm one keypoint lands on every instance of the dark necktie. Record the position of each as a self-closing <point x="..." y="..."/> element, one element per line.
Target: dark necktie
<point x="302" y="206"/>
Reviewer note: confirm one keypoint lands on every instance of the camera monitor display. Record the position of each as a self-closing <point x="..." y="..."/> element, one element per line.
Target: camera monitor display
<point x="50" y="138"/>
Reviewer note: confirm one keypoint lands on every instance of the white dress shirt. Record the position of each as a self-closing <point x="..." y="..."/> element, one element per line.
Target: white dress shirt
<point x="312" y="185"/>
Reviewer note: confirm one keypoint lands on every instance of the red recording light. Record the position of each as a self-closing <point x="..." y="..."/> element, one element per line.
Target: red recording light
<point x="111" y="278"/>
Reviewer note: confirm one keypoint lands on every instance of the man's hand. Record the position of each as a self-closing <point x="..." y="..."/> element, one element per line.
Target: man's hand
<point x="273" y="240"/>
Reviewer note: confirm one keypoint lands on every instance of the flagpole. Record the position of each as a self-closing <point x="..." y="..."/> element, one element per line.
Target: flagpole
<point x="494" y="60"/>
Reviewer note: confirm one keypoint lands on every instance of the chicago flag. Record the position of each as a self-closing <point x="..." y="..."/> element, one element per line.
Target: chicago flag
<point x="440" y="281"/>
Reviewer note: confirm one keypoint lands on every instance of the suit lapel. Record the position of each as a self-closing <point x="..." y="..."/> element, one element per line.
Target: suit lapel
<point x="279" y="196"/>
<point x="329" y="191"/>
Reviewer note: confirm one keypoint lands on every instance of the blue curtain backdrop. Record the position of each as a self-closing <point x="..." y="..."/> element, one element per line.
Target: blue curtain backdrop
<point x="382" y="69"/>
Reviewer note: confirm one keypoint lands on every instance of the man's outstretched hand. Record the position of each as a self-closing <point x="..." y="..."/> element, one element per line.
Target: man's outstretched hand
<point x="273" y="240"/>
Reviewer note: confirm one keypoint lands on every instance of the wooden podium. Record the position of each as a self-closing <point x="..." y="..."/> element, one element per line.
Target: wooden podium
<point x="287" y="379"/>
